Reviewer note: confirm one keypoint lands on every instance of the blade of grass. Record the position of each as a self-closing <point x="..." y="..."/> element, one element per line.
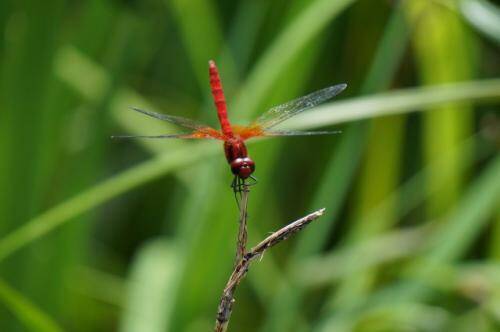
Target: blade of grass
<point x="243" y="34"/>
<point x="152" y="285"/>
<point x="495" y="236"/>
<point x="32" y="317"/>
<point x="474" y="281"/>
<point x="409" y="315"/>
<point x="359" y="257"/>
<point x="32" y="119"/>
<point x="447" y="244"/>
<point x="444" y="53"/>
<point x="97" y="194"/>
<point x="468" y="219"/>
<point x="378" y="176"/>
<point x="91" y="81"/>
<point x="397" y="102"/>
<point x="198" y="21"/>
<point x="338" y="175"/>
<point x="411" y="197"/>
<point x="99" y="285"/>
<point x="279" y="55"/>
<point x="484" y="16"/>
<point x="85" y="135"/>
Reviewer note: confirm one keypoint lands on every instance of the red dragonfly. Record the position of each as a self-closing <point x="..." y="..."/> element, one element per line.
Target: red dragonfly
<point x="234" y="136"/>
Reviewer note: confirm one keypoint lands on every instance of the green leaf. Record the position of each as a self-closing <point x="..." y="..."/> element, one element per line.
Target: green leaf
<point x="152" y="286"/>
<point x="97" y="194"/>
<point x="397" y="102"/>
<point x="276" y="58"/>
<point x="32" y="317"/>
<point x="447" y="245"/>
<point x="484" y="16"/>
<point x="354" y="260"/>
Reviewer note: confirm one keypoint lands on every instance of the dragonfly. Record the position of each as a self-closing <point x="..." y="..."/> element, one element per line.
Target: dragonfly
<point x="235" y="136"/>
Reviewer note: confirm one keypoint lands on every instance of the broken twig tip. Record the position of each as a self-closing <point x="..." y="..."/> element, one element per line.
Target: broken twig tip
<point x="245" y="257"/>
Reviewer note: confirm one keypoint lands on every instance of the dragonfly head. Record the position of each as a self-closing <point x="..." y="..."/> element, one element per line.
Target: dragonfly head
<point x="242" y="167"/>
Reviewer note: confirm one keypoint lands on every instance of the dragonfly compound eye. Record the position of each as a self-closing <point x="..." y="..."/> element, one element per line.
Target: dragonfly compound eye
<point x="243" y="167"/>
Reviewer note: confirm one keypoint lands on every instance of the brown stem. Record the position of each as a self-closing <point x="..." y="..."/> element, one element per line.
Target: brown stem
<point x="241" y="268"/>
<point x="241" y="246"/>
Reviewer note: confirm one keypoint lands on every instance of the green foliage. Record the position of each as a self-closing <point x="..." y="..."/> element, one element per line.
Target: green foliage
<point x="99" y="234"/>
<point x="25" y="311"/>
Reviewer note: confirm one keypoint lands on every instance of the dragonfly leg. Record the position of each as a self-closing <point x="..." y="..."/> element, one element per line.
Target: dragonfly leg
<point x="233" y="183"/>
<point x="243" y="185"/>
<point x="240" y="185"/>
<point x="253" y="181"/>
<point x="236" y="186"/>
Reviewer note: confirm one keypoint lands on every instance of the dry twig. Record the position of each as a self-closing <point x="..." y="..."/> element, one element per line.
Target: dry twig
<point x="242" y="231"/>
<point x="243" y="258"/>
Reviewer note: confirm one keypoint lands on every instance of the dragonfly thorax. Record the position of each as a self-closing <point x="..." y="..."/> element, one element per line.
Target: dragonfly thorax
<point x="235" y="148"/>
<point x="237" y="157"/>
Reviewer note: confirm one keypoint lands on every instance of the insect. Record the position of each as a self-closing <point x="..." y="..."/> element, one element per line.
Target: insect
<point x="234" y="136"/>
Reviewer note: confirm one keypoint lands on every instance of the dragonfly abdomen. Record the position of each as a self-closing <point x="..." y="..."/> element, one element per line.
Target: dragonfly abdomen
<point x="219" y="99"/>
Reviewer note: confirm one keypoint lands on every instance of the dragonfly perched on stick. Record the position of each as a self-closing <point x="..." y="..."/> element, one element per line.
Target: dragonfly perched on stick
<point x="234" y="136"/>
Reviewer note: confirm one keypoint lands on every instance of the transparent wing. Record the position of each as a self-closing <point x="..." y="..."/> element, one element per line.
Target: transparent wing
<point x="246" y="132"/>
<point x="283" y="112"/>
<point x="200" y="130"/>
<point x="256" y="131"/>
<point x="193" y="135"/>
<point x="299" y="133"/>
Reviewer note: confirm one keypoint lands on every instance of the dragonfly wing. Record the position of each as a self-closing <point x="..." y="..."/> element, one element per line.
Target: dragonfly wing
<point x="283" y="112"/>
<point x="246" y="132"/>
<point x="200" y="130"/>
<point x="181" y="135"/>
<point x="256" y="131"/>
<point x="299" y="133"/>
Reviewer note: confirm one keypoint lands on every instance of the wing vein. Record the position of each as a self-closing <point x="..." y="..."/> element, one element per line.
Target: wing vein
<point x="278" y="114"/>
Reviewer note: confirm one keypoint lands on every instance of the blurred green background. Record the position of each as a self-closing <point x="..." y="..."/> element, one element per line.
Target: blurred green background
<point x="134" y="235"/>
